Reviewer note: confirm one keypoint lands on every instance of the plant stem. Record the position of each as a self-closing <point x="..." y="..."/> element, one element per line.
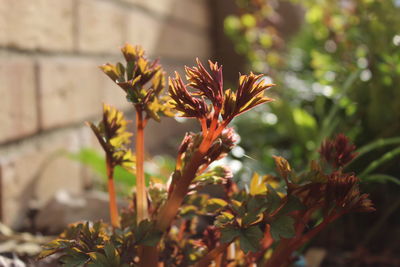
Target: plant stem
<point x="111" y="194"/>
<point x="213" y="254"/>
<point x="169" y="210"/>
<point x="171" y="207"/>
<point x="148" y="256"/>
<point x="280" y="255"/>
<point x="141" y="198"/>
<point x="283" y="252"/>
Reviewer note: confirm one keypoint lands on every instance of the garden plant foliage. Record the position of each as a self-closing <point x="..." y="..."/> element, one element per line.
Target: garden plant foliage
<point x="177" y="223"/>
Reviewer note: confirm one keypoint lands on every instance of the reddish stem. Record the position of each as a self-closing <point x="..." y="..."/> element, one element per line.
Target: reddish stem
<point x="204" y="130"/>
<point x="209" y="137"/>
<point x="213" y="254"/>
<point x="169" y="210"/>
<point x="141" y="198"/>
<point x="171" y="207"/>
<point x="111" y="194"/>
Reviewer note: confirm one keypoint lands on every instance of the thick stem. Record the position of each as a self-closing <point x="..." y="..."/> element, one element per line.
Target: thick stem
<point x="209" y="137"/>
<point x="213" y="254"/>
<point x="169" y="210"/>
<point x="149" y="257"/>
<point x="204" y="130"/>
<point x="171" y="207"/>
<point x="111" y="194"/>
<point x="281" y="254"/>
<point x="141" y="198"/>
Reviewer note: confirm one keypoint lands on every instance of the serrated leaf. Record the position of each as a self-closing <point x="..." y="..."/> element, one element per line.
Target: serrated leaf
<point x="250" y="239"/>
<point x="251" y="218"/>
<point x="292" y="204"/>
<point x="282" y="227"/>
<point x="229" y="233"/>
<point x="238" y="208"/>
<point x="273" y="199"/>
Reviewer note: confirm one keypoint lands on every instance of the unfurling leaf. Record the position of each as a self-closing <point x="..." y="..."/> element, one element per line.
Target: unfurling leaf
<point x="134" y="77"/>
<point x="283" y="167"/>
<point x="113" y="136"/>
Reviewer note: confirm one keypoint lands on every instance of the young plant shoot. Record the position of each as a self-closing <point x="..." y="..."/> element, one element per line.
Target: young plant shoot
<point x="177" y="224"/>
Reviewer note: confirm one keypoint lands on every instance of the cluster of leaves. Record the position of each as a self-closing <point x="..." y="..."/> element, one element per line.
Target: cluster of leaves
<point x="133" y="78"/>
<point x="226" y="103"/>
<point x="87" y="244"/>
<point x="188" y="226"/>
<point x="269" y="213"/>
<point x="112" y="134"/>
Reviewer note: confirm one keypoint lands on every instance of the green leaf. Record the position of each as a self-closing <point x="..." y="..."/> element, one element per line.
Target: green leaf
<point x="229" y="233"/>
<point x="377" y="144"/>
<point x="251" y="218"/>
<point x="292" y="204"/>
<point x="129" y="70"/>
<point x="273" y="199"/>
<point x="54" y="246"/>
<point x="92" y="159"/>
<point x="282" y="227"/>
<point x="215" y="204"/>
<point x="256" y="204"/>
<point x="250" y="239"/>
<point x="112" y="254"/>
<point x="74" y="259"/>
<point x="381" y="178"/>
<point x="121" y="72"/>
<point x="303" y="118"/>
<point x="98" y="260"/>
<point x="152" y="238"/>
<point x="146" y="234"/>
<point x="96" y="161"/>
<point x="223" y="219"/>
<point x="188" y="211"/>
<point x="376" y="163"/>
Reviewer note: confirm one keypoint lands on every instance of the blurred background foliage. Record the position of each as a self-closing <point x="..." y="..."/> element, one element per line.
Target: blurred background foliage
<point x="338" y="73"/>
<point x="336" y="64"/>
<point x="157" y="169"/>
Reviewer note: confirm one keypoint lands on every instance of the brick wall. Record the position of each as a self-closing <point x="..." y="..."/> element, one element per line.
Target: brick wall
<point x="50" y="83"/>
